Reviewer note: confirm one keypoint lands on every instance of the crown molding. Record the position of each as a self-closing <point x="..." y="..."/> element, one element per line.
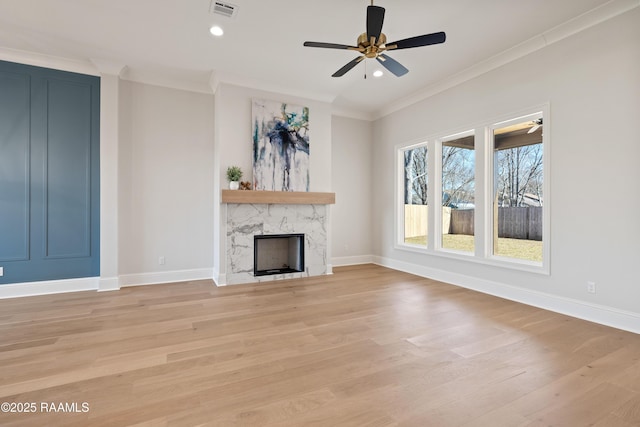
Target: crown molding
<point x="352" y="113"/>
<point x="105" y="66"/>
<point x="172" y="80"/>
<point x="48" y="61"/>
<point x="233" y="80"/>
<point x="208" y="81"/>
<point x="573" y="26"/>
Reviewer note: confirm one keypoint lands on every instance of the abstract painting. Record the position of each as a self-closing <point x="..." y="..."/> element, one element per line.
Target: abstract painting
<point x="280" y="146"/>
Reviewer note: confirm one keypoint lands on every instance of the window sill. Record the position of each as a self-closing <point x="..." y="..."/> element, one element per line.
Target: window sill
<point x="493" y="261"/>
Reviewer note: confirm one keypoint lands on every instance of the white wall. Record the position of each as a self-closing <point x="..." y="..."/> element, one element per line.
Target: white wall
<point x="233" y="130"/>
<point x="233" y="146"/>
<point x="351" y="161"/>
<point x="166" y="175"/>
<point x="591" y="81"/>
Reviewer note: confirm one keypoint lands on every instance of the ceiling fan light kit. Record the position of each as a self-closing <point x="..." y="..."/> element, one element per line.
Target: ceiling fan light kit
<point x="373" y="44"/>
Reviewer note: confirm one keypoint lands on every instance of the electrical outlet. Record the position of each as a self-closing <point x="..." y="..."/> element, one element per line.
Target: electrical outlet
<point x="1" y="271"/>
<point x="591" y="287"/>
<point x="161" y="260"/>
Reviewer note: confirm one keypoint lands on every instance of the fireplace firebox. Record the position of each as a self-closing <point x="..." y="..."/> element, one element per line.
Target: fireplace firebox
<point x="278" y="254"/>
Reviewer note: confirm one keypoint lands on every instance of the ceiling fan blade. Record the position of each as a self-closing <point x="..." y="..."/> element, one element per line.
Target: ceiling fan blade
<point x="375" y="19"/>
<point x="331" y="45"/>
<point x="342" y="71"/>
<point x="418" y="41"/>
<point x="392" y="65"/>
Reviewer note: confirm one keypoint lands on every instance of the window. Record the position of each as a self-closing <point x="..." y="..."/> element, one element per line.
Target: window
<point x="458" y="192"/>
<point x="518" y="196"/>
<point x="488" y="190"/>
<point x="415" y="185"/>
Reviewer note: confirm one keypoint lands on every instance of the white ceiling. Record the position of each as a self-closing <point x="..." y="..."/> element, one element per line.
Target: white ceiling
<point x="262" y="47"/>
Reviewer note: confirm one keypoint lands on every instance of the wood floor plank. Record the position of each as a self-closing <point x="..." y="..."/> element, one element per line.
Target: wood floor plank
<point x="589" y="408"/>
<point x="629" y="411"/>
<point x="366" y="346"/>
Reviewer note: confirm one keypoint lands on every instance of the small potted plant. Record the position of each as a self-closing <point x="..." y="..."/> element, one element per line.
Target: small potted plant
<point x="234" y="173"/>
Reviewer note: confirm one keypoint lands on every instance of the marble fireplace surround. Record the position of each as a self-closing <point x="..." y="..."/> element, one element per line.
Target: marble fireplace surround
<point x="272" y="212"/>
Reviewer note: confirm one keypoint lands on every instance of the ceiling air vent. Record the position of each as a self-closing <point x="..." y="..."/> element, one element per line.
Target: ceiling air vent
<point x="225" y="9"/>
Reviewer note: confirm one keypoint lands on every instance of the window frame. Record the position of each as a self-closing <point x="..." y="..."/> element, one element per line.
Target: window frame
<point x="399" y="197"/>
<point x="438" y="231"/>
<point x="543" y="266"/>
<point x="483" y="235"/>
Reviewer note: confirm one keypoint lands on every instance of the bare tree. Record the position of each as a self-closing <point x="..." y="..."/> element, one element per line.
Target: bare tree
<point x="519" y="173"/>
<point x="458" y="175"/>
<point x="415" y="176"/>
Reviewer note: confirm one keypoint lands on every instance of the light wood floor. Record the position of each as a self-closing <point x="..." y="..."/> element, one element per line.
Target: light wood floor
<point x="367" y="346"/>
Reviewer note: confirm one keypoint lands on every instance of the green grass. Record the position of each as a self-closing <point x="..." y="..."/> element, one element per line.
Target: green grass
<point x="530" y="250"/>
<point x="519" y="248"/>
<point x="459" y="242"/>
<point x="417" y="240"/>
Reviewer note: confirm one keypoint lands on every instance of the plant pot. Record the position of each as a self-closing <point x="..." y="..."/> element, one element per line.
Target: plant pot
<point x="234" y="185"/>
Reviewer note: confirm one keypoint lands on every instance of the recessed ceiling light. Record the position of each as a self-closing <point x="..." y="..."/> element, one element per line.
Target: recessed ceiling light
<point x="216" y="31"/>
<point x="377" y="73"/>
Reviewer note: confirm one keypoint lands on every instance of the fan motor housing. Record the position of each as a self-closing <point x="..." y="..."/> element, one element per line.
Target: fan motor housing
<point x="372" y="50"/>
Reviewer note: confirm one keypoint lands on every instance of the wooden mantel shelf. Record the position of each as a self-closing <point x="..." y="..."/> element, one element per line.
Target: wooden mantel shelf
<point x="278" y="197"/>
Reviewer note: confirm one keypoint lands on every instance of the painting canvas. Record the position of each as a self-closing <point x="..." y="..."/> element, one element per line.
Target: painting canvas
<point x="280" y="146"/>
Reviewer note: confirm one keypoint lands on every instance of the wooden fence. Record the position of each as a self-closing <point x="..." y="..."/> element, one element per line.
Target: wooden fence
<point x="415" y="220"/>
<point x="516" y="223"/>
<point x="416" y="217"/>
<point x="462" y="222"/>
<point x="520" y="223"/>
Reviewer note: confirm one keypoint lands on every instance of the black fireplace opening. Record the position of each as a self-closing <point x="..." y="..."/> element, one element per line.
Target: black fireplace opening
<point x="278" y="254"/>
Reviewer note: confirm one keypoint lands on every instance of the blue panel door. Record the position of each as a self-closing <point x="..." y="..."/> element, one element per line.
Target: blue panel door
<point x="15" y="95"/>
<point x="49" y="174"/>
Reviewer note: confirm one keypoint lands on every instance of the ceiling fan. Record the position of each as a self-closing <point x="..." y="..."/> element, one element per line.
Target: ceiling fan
<point x="373" y="44"/>
<point x="536" y="124"/>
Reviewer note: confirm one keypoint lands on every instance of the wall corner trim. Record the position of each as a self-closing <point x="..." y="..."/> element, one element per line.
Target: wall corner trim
<point x="107" y="284"/>
<point x="109" y="67"/>
<point x="219" y="279"/>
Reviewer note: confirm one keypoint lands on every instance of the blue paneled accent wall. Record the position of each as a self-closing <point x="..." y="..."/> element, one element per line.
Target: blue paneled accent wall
<point x="49" y="174"/>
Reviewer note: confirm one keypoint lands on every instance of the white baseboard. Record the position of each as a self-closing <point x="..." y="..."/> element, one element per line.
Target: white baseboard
<point x="28" y="289"/>
<point x="219" y="279"/>
<point x="620" y="319"/>
<point x="352" y="260"/>
<point x="165" y="277"/>
<point x="107" y="284"/>
<point x="604" y="315"/>
<point x="100" y="284"/>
